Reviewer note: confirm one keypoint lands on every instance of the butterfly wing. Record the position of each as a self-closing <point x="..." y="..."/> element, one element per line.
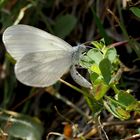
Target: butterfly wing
<point x="41" y="69"/>
<point x="23" y="39"/>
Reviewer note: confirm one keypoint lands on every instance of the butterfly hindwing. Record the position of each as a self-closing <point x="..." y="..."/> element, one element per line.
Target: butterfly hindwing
<point x="42" y="69"/>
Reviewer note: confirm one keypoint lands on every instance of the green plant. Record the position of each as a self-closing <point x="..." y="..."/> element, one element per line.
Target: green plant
<point x="105" y="70"/>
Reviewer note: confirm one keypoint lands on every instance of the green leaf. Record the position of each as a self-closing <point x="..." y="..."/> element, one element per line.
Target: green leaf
<point x="86" y="62"/>
<point x="111" y="54"/>
<point x="99" y="44"/>
<point x="134" y="107"/>
<point x="125" y="98"/>
<point x="21" y="126"/>
<point x="116" y="110"/>
<point x="135" y="11"/>
<point x="123" y="114"/>
<point x="110" y="106"/>
<point x="95" y="68"/>
<point x="64" y="24"/>
<point x="95" y="55"/>
<point x="105" y="68"/>
<point x="100" y="89"/>
<point x="93" y="77"/>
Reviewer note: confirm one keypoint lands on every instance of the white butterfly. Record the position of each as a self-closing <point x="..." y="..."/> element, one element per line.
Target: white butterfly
<point x="42" y="58"/>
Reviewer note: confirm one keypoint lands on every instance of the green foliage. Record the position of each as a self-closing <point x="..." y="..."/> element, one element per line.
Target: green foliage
<point x="19" y="126"/>
<point x="105" y="68"/>
<point x="99" y="60"/>
<point x="127" y="100"/>
<point x="122" y="105"/>
<point x="116" y="110"/>
<point x="135" y="11"/>
<point x="64" y="24"/>
<point x="111" y="54"/>
<point x="95" y="55"/>
<point x="102" y="63"/>
<point x="100" y="89"/>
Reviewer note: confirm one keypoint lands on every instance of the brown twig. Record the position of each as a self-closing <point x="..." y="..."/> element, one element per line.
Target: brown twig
<point x="121" y="122"/>
<point x="134" y="137"/>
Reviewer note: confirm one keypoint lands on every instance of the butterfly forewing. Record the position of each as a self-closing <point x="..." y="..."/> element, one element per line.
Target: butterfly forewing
<point x="43" y="69"/>
<point x="23" y="39"/>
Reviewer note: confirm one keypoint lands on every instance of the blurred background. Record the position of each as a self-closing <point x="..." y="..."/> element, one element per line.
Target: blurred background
<point x="60" y="108"/>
